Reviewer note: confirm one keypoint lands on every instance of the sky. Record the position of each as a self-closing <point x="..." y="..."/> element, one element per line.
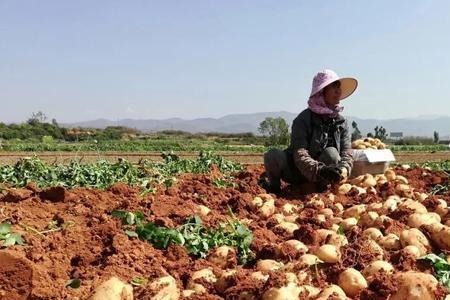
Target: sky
<point x="83" y="60"/>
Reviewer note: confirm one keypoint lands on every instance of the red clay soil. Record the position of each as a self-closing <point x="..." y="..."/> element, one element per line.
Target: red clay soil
<point x="93" y="246"/>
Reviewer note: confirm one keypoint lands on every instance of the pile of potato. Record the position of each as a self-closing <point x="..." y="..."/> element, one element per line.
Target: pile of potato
<point x="298" y="271"/>
<point x="368" y="143"/>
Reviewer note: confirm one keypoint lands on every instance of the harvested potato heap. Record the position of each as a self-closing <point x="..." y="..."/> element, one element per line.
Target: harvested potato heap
<point x="328" y="249"/>
<point x="368" y="143"/>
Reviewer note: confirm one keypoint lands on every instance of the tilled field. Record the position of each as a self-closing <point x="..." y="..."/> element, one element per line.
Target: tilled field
<point x="241" y="157"/>
<point x="358" y="240"/>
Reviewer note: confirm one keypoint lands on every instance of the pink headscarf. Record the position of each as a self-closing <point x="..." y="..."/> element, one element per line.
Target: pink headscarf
<point x="317" y="104"/>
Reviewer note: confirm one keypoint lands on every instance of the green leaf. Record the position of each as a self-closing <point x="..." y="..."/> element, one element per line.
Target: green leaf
<point x="5" y="228"/>
<point x="131" y="233"/>
<point x="119" y="213"/>
<point x="130" y="218"/>
<point x="73" y="283"/>
<point x="340" y="230"/>
<point x="138" y="281"/>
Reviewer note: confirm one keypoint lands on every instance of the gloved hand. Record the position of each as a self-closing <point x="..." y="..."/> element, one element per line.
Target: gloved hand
<point x="331" y="174"/>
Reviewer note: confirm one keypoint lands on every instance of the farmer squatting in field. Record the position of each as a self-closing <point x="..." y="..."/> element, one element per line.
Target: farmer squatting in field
<point x="320" y="147"/>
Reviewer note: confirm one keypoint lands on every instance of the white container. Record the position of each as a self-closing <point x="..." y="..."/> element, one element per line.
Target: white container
<point x="371" y="161"/>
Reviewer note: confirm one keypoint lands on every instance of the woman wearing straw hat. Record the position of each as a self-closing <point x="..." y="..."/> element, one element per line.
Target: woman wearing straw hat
<point x="320" y="148"/>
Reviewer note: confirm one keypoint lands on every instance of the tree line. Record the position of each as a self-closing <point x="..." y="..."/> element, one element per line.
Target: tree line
<point x="276" y="131"/>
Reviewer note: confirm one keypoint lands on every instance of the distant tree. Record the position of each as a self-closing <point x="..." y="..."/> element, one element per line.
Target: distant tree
<point x="356" y="132"/>
<point x="436" y="137"/>
<point x="380" y="133"/>
<point x="276" y="129"/>
<point x="37" y="118"/>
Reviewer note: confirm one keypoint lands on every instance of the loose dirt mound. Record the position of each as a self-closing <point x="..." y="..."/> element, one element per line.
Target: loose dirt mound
<point x="89" y="244"/>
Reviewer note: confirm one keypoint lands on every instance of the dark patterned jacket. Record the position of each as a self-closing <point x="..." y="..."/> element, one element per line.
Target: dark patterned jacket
<point x="310" y="136"/>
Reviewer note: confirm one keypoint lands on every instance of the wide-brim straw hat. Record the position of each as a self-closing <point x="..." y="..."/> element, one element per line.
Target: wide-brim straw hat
<point x="326" y="77"/>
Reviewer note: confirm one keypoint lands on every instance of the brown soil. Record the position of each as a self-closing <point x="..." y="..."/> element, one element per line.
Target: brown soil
<point x="93" y="246"/>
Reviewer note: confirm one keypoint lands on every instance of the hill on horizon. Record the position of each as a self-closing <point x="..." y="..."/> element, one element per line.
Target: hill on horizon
<point x="239" y="123"/>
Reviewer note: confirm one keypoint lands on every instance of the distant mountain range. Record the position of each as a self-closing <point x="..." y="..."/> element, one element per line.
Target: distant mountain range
<point x="237" y="123"/>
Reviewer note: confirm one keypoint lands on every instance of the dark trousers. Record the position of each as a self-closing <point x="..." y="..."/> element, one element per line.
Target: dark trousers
<point x="280" y="165"/>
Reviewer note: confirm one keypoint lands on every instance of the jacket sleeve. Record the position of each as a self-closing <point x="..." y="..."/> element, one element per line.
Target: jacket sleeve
<point x="307" y="166"/>
<point x="346" y="149"/>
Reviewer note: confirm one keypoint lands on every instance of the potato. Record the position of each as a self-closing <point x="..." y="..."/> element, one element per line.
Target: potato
<point x="440" y="234"/>
<point x="327" y="212"/>
<point x="267" y="209"/>
<point x="309" y="259"/>
<point x="259" y="276"/>
<point x="330" y="197"/>
<point x="202" y="210"/>
<point x="338" y="206"/>
<point x="220" y="256"/>
<point x="376" y="250"/>
<point x="390" y="242"/>
<point x="344" y="188"/>
<point x="381" y="220"/>
<point x="165" y="288"/>
<point x="368" y="181"/>
<point x="381" y="181"/>
<point x="374" y="207"/>
<point x="389" y="205"/>
<point x="289" y="291"/>
<point x="337" y="240"/>
<point x="373" y="233"/>
<point x="416" y="220"/>
<point x="414" y="286"/>
<point x="361" y="190"/>
<point x="265" y="197"/>
<point x="289" y="209"/>
<point x="303" y="277"/>
<point x="328" y="253"/>
<point x="315" y="203"/>
<point x="297" y="245"/>
<point x="415" y="206"/>
<point x="413" y="251"/>
<point x="337" y="220"/>
<point x="279" y="218"/>
<point x="394" y="197"/>
<point x="441" y="209"/>
<point x="379" y="177"/>
<point x="268" y="265"/>
<point x="188" y="293"/>
<point x="401" y="179"/>
<point x="402" y="187"/>
<point x="416" y="238"/>
<point x="291" y="219"/>
<point x="323" y="234"/>
<point x="311" y="291"/>
<point x="113" y="289"/>
<point x="257" y="202"/>
<point x="390" y="174"/>
<point x="375" y="267"/>
<point x="288" y="227"/>
<point x="355" y="211"/>
<point x="197" y="288"/>
<point x="420" y="196"/>
<point x="352" y="281"/>
<point x="349" y="223"/>
<point x="368" y="219"/>
<point x="335" y="227"/>
<point x="223" y="282"/>
<point x="332" y="291"/>
<point x="321" y="218"/>
<point x="204" y="274"/>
